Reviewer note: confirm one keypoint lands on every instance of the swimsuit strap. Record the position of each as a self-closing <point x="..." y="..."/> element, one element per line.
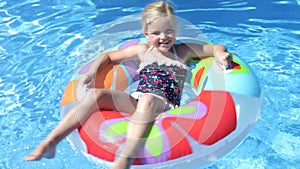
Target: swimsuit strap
<point x="149" y="50"/>
<point x="173" y="48"/>
<point x="168" y="62"/>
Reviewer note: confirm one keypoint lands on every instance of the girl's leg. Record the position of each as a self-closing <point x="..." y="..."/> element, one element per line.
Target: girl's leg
<point x="94" y="99"/>
<point x="149" y="106"/>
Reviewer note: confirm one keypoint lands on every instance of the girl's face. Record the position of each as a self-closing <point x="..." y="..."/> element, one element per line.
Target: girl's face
<point x="161" y="33"/>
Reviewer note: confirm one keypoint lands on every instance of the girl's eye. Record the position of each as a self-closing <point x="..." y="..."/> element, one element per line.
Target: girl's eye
<point x="155" y="33"/>
<point x="169" y="32"/>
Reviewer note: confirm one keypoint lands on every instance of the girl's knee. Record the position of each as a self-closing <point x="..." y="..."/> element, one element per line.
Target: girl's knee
<point x="146" y="101"/>
<point x="147" y="109"/>
<point x="150" y="103"/>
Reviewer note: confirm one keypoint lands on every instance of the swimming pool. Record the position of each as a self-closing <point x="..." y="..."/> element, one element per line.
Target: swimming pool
<point x="39" y="48"/>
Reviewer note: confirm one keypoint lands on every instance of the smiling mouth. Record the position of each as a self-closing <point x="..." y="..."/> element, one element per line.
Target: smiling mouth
<point x="164" y="42"/>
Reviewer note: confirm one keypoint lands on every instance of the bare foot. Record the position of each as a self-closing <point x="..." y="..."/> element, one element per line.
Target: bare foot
<point x="43" y="150"/>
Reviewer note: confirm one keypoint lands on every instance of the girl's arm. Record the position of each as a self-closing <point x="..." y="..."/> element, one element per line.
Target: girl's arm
<point x="220" y="53"/>
<point x="203" y="51"/>
<point x="129" y="53"/>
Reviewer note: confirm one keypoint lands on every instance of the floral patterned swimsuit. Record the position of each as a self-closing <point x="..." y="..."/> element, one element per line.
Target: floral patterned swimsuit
<point x="163" y="79"/>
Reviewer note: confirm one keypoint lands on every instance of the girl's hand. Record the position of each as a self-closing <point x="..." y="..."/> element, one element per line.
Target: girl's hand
<point x="87" y="80"/>
<point x="223" y="59"/>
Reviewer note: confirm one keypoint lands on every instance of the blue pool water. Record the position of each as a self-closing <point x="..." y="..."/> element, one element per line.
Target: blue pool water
<point x="39" y="43"/>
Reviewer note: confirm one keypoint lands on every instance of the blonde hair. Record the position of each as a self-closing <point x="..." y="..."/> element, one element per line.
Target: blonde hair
<point x="157" y="10"/>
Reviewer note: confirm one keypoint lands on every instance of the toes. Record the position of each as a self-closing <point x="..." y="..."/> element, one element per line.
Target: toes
<point x="32" y="158"/>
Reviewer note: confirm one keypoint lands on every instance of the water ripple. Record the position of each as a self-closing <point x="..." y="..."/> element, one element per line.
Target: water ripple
<point x="218" y="9"/>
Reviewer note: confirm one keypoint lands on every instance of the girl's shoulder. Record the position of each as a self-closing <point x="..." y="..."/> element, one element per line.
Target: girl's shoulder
<point x="188" y="50"/>
<point x="132" y="52"/>
<point x="139" y="48"/>
<point x="143" y="46"/>
<point x="187" y="46"/>
<point x="182" y="47"/>
<point x="182" y="51"/>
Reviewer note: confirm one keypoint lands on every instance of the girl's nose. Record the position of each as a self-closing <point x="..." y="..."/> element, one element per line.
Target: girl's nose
<point x="163" y="35"/>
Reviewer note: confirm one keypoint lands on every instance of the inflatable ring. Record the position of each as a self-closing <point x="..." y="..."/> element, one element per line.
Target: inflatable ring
<point x="225" y="107"/>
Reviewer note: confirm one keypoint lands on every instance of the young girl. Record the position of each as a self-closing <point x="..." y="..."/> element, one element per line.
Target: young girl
<point x="162" y="73"/>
